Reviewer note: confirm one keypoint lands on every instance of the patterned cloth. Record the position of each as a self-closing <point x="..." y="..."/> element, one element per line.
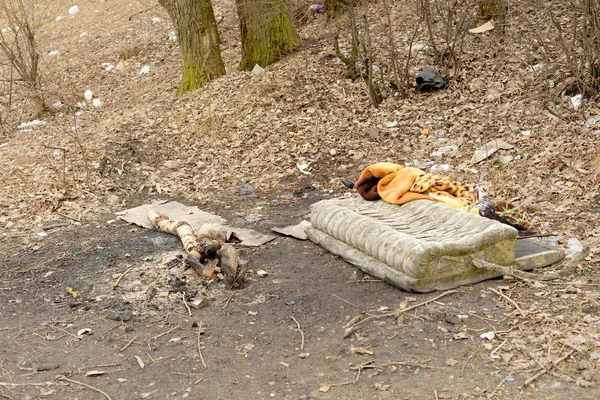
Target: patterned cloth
<point x="398" y="184"/>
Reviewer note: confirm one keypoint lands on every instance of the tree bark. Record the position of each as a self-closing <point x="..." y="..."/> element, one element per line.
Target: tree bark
<point x="267" y="32"/>
<point x="198" y="39"/>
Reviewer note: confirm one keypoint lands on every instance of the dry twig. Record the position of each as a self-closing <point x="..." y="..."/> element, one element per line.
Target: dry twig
<point x="186" y="305"/>
<point x="301" y="333"/>
<point x="199" y="348"/>
<point x="64" y="378"/>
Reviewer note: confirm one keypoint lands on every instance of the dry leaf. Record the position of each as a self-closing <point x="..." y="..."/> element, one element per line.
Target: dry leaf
<point x="451" y="362"/>
<point x="488" y="26"/>
<point x="362" y="350"/>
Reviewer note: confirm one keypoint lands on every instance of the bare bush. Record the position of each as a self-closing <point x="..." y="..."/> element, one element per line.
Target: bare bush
<point x="19" y="47"/>
<point x="569" y="43"/>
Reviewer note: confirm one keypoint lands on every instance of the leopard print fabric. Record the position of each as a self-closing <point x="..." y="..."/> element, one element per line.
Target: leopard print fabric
<point x="444" y="186"/>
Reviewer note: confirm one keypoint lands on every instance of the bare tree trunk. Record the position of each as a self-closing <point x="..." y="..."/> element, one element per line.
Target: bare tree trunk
<point x="198" y="39"/>
<point x="267" y="32"/>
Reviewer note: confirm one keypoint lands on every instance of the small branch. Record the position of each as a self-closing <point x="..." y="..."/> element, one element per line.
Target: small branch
<point x="497" y="387"/>
<point x="301" y="333"/>
<point x="347" y="302"/>
<point x="128" y="344"/>
<point x="186" y="305"/>
<point x="170" y="355"/>
<point x="548" y="368"/>
<point x="64" y="378"/>
<point x="199" y="348"/>
<point x="116" y="284"/>
<point x="511" y="301"/>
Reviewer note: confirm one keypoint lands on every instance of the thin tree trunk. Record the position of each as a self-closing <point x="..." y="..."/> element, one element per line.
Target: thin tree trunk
<point x="267" y="32"/>
<point x="198" y="39"/>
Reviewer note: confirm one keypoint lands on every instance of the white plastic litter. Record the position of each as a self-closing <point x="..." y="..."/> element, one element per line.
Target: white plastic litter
<point x="88" y="95"/>
<point x="73" y="10"/>
<point x="53" y="52"/>
<point x="145" y="69"/>
<point x="576" y="101"/>
<point x="35" y="122"/>
<point x="96" y="102"/>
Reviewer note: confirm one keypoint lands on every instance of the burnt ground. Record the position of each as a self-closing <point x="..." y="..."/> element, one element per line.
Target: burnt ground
<point x="249" y="340"/>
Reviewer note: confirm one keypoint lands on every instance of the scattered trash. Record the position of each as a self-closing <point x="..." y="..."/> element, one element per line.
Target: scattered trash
<point x="332" y="152"/>
<point x="121" y="380"/>
<point x="420" y="164"/>
<point x="488" y="26"/>
<point x="58" y="18"/>
<point x="172" y="36"/>
<point x="35" y="122"/>
<point x="537" y="66"/>
<point x="73" y="10"/>
<point x="84" y="331"/>
<point x="257" y="70"/>
<point x="392" y="124"/>
<point x="317" y="8"/>
<point x="302" y="168"/>
<point x="297" y="231"/>
<point x="95" y="373"/>
<point x="441" y="167"/>
<point x="193" y="216"/>
<point x="53" y="52"/>
<point x="3" y="145"/>
<point x="430" y="79"/>
<point x="88" y="95"/>
<point x="262" y="273"/>
<point x="526" y="133"/>
<point x="510" y="379"/>
<point x="145" y="69"/>
<point x="449" y="149"/>
<point x="82" y="34"/>
<point x="591" y="121"/>
<point x="425" y="132"/>
<point x="490" y="148"/>
<point x="96" y="102"/>
<point x="488" y="335"/>
<point x="156" y="20"/>
<point x="303" y="355"/>
<point x="574" y="247"/>
<point x="576" y="101"/>
<point x="418" y="47"/>
<point x="505" y="160"/>
<point x="42" y="234"/>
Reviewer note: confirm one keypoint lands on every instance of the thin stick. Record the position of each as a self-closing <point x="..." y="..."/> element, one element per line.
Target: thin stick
<point x="128" y="344"/>
<point x="170" y="355"/>
<point x="511" y="301"/>
<point x="301" y="333"/>
<point x="397" y="313"/>
<point x="548" y="368"/>
<point x="162" y="334"/>
<point x="347" y="302"/>
<point x="462" y="371"/>
<point x="186" y="305"/>
<point x="497" y="387"/>
<point x="199" y="348"/>
<point x="116" y="284"/>
<point x="64" y="378"/>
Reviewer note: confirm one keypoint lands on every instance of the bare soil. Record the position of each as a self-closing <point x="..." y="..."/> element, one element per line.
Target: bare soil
<point x="281" y="335"/>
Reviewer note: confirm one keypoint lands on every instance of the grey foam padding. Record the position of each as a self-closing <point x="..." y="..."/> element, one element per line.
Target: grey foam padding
<point x="419" y="246"/>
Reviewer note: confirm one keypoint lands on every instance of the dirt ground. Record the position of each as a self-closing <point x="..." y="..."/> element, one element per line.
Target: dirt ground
<point x="249" y="340"/>
<point x="283" y="334"/>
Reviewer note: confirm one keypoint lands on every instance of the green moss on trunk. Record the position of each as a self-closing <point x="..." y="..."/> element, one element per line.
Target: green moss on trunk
<point x="198" y="39"/>
<point x="267" y="32"/>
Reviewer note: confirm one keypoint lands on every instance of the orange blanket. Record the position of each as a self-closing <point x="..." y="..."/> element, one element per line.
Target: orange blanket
<point x="397" y="184"/>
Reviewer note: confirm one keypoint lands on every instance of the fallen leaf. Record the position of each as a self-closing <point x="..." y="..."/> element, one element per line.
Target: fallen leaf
<point x="324" y="388"/>
<point x="451" y="362"/>
<point x="362" y="350"/>
<point x="488" y="26"/>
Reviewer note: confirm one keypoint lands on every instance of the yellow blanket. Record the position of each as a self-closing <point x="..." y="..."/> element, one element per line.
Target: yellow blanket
<point x="397" y="184"/>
